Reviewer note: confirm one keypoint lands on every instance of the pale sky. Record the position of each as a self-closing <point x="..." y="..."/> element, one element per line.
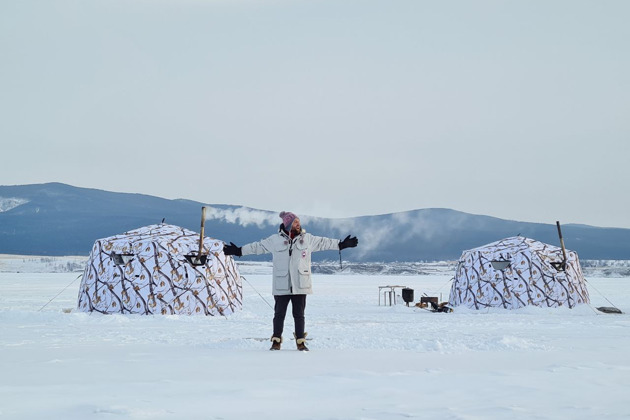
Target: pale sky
<point x="513" y="109"/>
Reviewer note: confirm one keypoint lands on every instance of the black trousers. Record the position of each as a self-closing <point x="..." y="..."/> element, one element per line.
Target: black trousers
<point x="298" y="305"/>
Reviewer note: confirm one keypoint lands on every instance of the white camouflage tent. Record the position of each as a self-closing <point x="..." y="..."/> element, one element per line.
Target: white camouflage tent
<point x="517" y="272"/>
<point x="146" y="271"/>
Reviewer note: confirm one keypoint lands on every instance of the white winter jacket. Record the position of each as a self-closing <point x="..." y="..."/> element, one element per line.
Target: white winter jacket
<point x="291" y="259"/>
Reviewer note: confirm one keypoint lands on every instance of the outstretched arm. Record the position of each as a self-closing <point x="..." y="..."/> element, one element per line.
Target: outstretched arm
<point x="265" y="246"/>
<point x="320" y="243"/>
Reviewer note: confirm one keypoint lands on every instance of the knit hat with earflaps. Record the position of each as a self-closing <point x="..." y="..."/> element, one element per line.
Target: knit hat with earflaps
<point x="287" y="219"/>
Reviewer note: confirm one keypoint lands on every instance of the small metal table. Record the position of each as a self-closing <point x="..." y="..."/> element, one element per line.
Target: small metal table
<point x="388" y="291"/>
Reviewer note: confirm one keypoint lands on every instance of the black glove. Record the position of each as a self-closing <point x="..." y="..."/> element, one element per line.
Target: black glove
<point x="232" y="249"/>
<point x="349" y="242"/>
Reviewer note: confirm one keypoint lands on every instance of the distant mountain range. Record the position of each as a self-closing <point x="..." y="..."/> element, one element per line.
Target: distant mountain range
<point x="59" y="219"/>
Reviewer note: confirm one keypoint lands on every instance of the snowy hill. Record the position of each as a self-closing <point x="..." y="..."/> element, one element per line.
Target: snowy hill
<point x="58" y="219"/>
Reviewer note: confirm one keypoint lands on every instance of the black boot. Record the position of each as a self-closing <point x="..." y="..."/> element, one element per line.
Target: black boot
<point x="275" y="343"/>
<point x="301" y="342"/>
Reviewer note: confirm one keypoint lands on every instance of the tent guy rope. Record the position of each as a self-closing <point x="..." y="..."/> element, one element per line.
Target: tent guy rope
<point x="57" y="295"/>
<point x="261" y="296"/>
<point x="594" y="288"/>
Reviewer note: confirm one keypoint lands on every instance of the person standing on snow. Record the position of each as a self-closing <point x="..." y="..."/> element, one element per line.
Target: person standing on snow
<point x="291" y="250"/>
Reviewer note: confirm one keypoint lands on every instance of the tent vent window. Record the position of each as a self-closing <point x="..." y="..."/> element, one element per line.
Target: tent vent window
<point x="196" y="260"/>
<point x="500" y="265"/>
<point x="122" y="259"/>
<point x="559" y="266"/>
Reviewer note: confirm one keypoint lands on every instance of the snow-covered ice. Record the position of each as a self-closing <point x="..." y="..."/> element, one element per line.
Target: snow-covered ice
<point x="366" y="361"/>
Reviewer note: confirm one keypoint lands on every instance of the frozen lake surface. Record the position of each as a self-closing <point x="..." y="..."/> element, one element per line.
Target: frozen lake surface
<point x="366" y="361"/>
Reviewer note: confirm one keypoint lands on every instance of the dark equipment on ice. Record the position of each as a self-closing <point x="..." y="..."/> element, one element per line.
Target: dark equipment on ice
<point x="407" y="295"/>
<point x="200" y="258"/>
<point x="609" y="310"/>
<point x="431" y="300"/>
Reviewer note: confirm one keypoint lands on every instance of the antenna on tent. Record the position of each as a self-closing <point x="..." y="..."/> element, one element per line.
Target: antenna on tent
<point x="200" y="258"/>
<point x="563" y="265"/>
